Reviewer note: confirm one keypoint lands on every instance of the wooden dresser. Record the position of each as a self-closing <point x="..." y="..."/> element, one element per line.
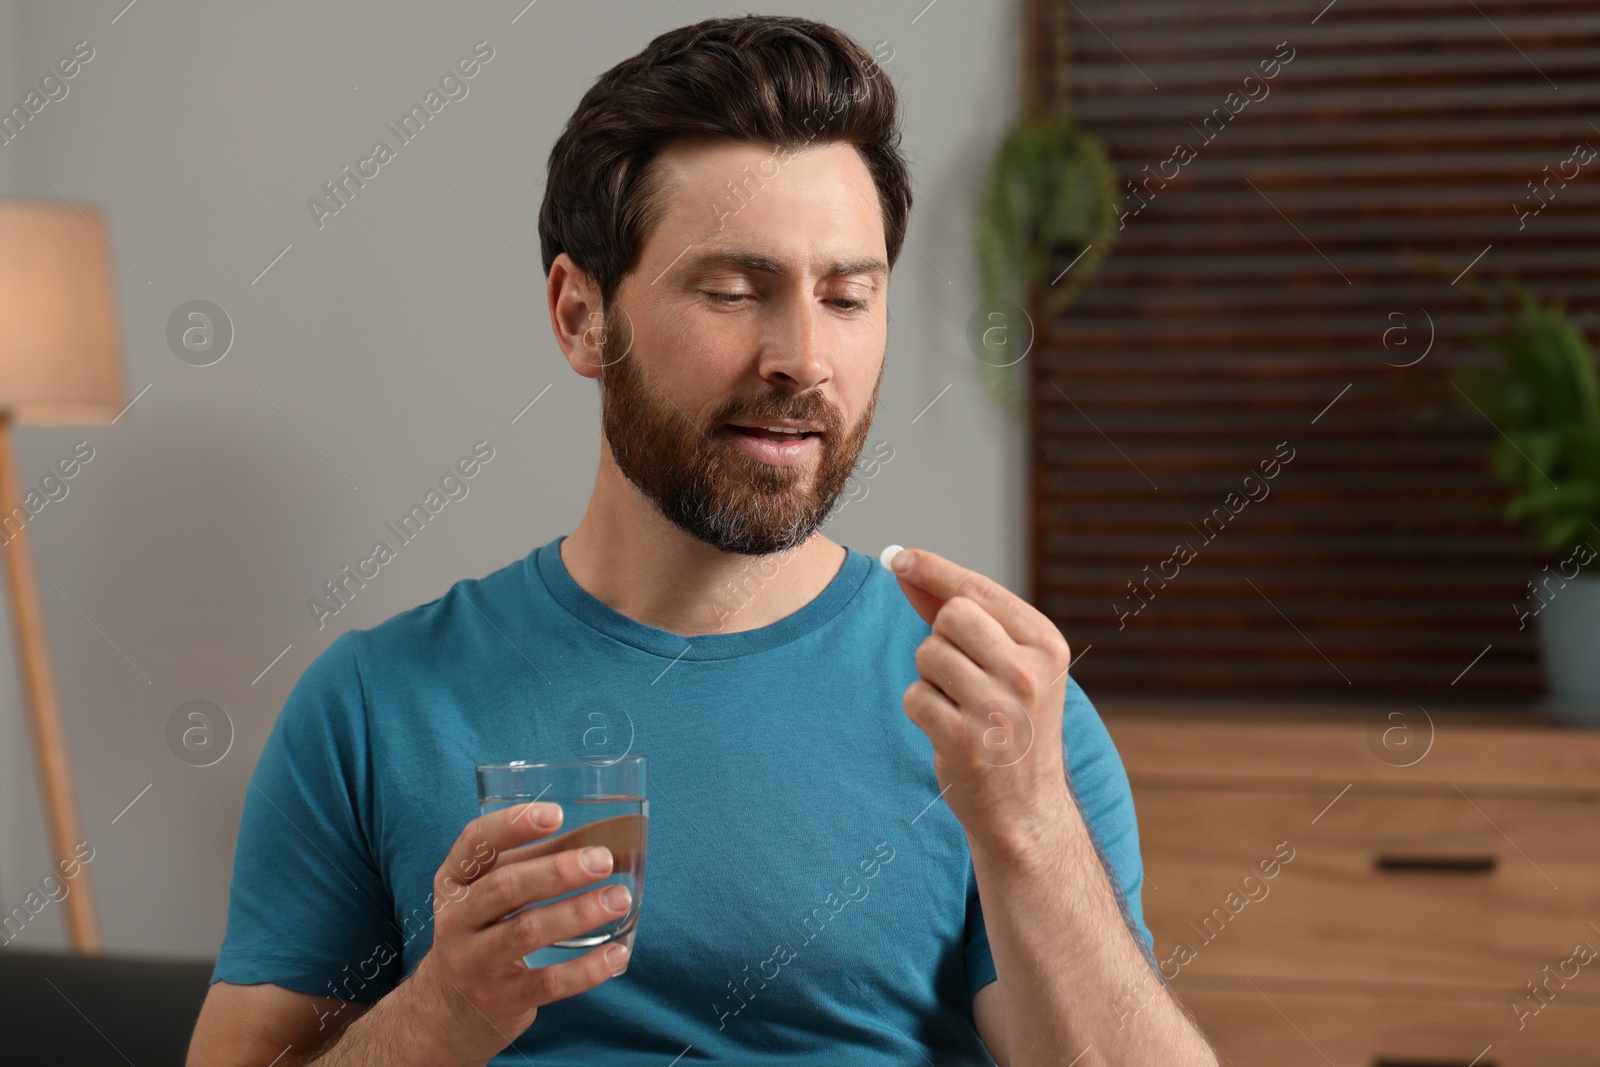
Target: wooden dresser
<point x="1375" y="886"/>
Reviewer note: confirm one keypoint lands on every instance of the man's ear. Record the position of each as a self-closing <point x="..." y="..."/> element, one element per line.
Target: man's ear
<point x="576" y="316"/>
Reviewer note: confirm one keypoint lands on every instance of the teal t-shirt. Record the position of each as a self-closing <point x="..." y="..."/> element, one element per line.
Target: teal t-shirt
<point x="809" y="898"/>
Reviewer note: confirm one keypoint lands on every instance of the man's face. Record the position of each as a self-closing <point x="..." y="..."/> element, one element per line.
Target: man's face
<point x="750" y="306"/>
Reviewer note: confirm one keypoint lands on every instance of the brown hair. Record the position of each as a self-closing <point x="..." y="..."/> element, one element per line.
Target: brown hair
<point x="773" y="80"/>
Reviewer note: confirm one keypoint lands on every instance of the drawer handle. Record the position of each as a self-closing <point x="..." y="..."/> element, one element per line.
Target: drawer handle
<point x="1385" y="1061"/>
<point x="1435" y="865"/>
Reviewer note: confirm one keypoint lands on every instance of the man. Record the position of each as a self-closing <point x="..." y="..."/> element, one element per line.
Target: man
<point x="843" y="761"/>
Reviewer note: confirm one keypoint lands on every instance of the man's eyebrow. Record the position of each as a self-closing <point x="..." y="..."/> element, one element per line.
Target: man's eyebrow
<point x="767" y="265"/>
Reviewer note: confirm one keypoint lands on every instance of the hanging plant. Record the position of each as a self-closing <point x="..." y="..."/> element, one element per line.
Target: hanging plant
<point x="1049" y="198"/>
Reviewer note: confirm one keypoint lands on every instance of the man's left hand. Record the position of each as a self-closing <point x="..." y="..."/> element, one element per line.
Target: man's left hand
<point x="990" y="697"/>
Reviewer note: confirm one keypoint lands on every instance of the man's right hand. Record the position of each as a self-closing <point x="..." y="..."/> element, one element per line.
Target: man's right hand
<point x="470" y="996"/>
<point x="473" y="982"/>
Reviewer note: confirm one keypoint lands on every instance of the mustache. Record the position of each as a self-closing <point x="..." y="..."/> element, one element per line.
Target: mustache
<point x="824" y="416"/>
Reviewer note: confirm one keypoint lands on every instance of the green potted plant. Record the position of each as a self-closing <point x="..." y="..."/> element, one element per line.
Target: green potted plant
<point x="1048" y="201"/>
<point x="1544" y="399"/>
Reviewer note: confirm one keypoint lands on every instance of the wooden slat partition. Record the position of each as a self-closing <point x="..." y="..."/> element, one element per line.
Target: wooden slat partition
<point x="1253" y="290"/>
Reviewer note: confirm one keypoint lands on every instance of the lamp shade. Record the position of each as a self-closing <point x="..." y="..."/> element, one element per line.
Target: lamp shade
<point x="59" y="355"/>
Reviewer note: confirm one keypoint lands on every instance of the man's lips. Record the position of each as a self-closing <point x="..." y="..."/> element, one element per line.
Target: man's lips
<point x="763" y="434"/>
<point x="776" y="449"/>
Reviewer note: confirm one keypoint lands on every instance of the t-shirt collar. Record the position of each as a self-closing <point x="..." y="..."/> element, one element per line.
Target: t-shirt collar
<point x="545" y="564"/>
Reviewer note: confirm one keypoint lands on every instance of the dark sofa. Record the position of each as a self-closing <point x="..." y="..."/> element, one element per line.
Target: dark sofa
<point x="67" y="1010"/>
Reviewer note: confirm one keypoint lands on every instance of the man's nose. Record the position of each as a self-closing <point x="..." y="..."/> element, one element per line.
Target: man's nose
<point x="800" y="345"/>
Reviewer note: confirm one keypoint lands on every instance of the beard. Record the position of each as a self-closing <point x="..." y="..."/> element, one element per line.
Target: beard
<point x="696" y="474"/>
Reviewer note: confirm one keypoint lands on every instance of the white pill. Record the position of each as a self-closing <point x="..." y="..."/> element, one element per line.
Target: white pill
<point x="886" y="557"/>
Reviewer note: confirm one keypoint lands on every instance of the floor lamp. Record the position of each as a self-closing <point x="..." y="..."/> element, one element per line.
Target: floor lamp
<point x="59" y="363"/>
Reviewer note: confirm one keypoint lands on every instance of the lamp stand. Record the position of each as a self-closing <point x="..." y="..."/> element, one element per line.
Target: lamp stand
<point x="55" y="772"/>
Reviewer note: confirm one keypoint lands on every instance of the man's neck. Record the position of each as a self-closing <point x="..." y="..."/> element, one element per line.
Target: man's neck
<point x="626" y="555"/>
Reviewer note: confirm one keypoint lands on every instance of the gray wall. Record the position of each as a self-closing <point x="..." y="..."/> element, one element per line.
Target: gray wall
<point x="368" y="358"/>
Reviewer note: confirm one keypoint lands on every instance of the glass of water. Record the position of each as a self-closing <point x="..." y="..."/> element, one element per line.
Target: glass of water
<point x="603" y="802"/>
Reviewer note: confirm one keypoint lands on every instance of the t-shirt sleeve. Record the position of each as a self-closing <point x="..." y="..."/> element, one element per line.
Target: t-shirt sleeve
<point x="1106" y="800"/>
<point x="308" y="909"/>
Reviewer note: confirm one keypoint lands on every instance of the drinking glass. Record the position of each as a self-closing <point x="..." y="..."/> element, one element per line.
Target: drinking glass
<point x="603" y="802"/>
